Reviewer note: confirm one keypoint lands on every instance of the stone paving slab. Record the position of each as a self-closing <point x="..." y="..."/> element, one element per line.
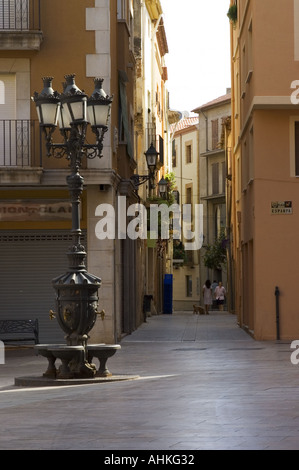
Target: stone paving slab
<point x="203" y="384"/>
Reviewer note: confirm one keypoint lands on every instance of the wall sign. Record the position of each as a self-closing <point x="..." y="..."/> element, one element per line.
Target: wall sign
<point x="35" y="210"/>
<point x="282" y="207"/>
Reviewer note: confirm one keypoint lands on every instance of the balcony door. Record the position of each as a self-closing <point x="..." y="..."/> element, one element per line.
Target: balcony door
<point x="14" y="14"/>
<point x="8" y="145"/>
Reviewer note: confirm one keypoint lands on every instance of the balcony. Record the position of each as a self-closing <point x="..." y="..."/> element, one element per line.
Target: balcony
<point x="18" y="143"/>
<point x="20" y="156"/>
<point x="20" y="27"/>
<point x="23" y="158"/>
<point x="156" y="140"/>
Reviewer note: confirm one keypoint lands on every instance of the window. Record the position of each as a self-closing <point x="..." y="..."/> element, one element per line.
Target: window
<point x="176" y="196"/>
<point x="125" y="133"/>
<point x="122" y="9"/>
<point x="215" y="178"/>
<point x="189" y="203"/>
<point x="188" y="195"/>
<point x="297" y="148"/>
<point x="215" y="134"/>
<point x="131" y="27"/>
<point x="294" y="146"/>
<point x="188" y="150"/>
<point x="173" y="154"/>
<point x="249" y="54"/>
<point x="161" y="150"/>
<point x="188" y="286"/>
<point x="223" y="176"/>
<point x="15" y="134"/>
<point x="151" y="134"/>
<point x="125" y="12"/>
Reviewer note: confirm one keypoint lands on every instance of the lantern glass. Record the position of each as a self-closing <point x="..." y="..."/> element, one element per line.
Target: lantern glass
<point x="162" y="186"/>
<point x="64" y="118"/>
<point x="151" y="159"/>
<point x="78" y="110"/>
<point x="74" y="111"/>
<point x="98" y="114"/>
<point x="151" y="156"/>
<point x="48" y="113"/>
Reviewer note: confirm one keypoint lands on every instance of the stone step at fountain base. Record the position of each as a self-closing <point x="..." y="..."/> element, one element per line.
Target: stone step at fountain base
<point x="46" y="382"/>
<point x="74" y="369"/>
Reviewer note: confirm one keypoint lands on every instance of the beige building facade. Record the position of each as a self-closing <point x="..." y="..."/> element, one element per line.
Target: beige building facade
<point x="185" y="165"/>
<point x="263" y="161"/>
<point x="152" y="128"/>
<point x="213" y="118"/>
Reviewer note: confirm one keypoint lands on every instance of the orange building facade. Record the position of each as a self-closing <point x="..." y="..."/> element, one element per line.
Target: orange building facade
<point x="263" y="170"/>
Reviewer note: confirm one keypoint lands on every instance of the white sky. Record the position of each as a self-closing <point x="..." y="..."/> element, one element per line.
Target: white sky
<point x="198" y="61"/>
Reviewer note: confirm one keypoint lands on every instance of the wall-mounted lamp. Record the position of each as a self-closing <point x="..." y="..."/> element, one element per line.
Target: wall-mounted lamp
<point x="162" y="187"/>
<point x="151" y="156"/>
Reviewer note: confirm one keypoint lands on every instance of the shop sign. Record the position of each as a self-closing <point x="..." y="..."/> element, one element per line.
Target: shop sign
<point x="281" y="207"/>
<point x="35" y="210"/>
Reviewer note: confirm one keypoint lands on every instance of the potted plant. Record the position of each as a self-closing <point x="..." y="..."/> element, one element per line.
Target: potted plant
<point x="179" y="254"/>
<point x="233" y="13"/>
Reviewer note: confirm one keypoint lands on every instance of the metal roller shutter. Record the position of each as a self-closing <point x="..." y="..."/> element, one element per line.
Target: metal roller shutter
<point x="29" y="262"/>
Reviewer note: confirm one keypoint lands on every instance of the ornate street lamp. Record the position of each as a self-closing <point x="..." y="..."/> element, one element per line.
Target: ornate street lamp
<point x="76" y="290"/>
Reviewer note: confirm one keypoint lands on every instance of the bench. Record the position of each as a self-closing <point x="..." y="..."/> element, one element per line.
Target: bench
<point x="19" y="330"/>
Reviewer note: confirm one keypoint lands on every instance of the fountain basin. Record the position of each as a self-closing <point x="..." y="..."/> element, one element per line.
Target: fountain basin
<point x="102" y="352"/>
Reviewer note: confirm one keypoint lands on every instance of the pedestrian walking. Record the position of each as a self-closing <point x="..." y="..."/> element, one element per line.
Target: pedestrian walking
<point x="220" y="294"/>
<point x="207" y="296"/>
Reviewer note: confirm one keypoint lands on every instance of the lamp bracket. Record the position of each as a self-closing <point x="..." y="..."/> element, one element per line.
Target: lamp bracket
<point x="73" y="147"/>
<point x="138" y="180"/>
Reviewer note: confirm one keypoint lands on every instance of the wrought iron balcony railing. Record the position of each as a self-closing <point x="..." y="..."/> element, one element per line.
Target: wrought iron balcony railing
<point x="20" y="15"/>
<point x="19" y="143"/>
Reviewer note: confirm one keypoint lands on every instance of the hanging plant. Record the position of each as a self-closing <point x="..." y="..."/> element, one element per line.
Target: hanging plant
<point x="233" y="13"/>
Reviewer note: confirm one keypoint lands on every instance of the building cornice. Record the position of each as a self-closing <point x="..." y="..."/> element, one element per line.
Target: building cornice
<point x="268" y="103"/>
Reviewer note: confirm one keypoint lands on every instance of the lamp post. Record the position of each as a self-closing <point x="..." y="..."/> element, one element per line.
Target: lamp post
<point x="76" y="290"/>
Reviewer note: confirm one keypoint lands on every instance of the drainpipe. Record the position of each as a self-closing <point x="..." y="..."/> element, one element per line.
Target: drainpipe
<point x="277" y="294"/>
